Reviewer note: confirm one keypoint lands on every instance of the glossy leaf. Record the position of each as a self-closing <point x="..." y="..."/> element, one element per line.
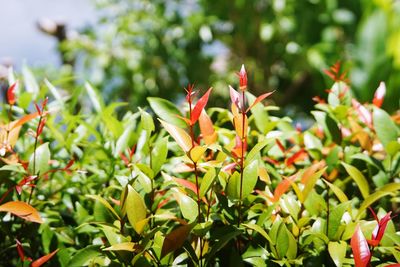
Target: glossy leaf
<point x="338" y="192"/>
<point x="84" y="256"/>
<point x="136" y="210"/>
<point x="196" y="153"/>
<point x="207" y="129"/>
<point x="198" y="108"/>
<point x="259" y="99"/>
<point x="188" y="207"/>
<point x="250" y="176"/>
<point x="180" y="136"/>
<point x="39" y="161"/>
<point x="207" y="181"/>
<point x="42" y="260"/>
<point x="337" y="251"/>
<point x="166" y="111"/>
<point x="359" y="178"/>
<point x="94" y="98"/>
<point x="335" y="219"/>
<point x="159" y="154"/>
<point x="359" y="246"/>
<point x="23" y="210"/>
<point x="283" y="186"/>
<point x="233" y="186"/>
<point x="125" y="246"/>
<point x="105" y="204"/>
<point x="175" y="239"/>
<point x="259" y="230"/>
<point x="384" y="126"/>
<point x="311" y="181"/>
<point x="147" y="121"/>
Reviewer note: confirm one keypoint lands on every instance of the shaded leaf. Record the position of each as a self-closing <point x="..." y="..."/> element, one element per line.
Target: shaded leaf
<point x="42" y="260"/>
<point x="105" y="204"/>
<point x="359" y="178"/>
<point x="175" y="239"/>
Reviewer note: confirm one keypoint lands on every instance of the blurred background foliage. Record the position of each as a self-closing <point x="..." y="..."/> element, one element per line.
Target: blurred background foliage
<point x="141" y="48"/>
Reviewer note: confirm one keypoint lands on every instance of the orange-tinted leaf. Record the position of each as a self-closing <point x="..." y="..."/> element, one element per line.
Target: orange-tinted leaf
<point x="24" y="120"/>
<point x="359" y="245"/>
<point x="39" y="262"/>
<point x="301" y="154"/>
<point x="23" y="210"/>
<point x="379" y="95"/>
<point x="309" y="172"/>
<point x="283" y="186"/>
<point x="207" y="128"/>
<point x="175" y="239"/>
<point x="259" y="99"/>
<point x="11" y="93"/>
<point x="187" y="184"/>
<point x="199" y="107"/>
<point x="181" y="137"/>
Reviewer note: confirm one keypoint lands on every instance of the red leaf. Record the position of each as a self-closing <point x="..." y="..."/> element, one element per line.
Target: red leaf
<point x="20" y="250"/>
<point x="242" y="79"/>
<point x="295" y="157"/>
<point x="379" y="95"/>
<point x="359" y="245"/>
<point x="283" y="186"/>
<point x="199" y="107"/>
<point x="380" y="229"/>
<point x="187" y="184"/>
<point x="259" y="99"/>
<point x="281" y="147"/>
<point x="39" y="262"/>
<point x="11" y="93"/>
<point x="41" y="126"/>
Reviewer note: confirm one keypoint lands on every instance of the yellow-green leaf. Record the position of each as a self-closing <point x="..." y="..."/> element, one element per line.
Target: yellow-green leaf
<point x="359" y="178"/>
<point x="105" y="204"/>
<point x="126" y="246"/>
<point x="337" y="250"/>
<point x="136" y="210"/>
<point x="338" y="192"/>
<point x="181" y="137"/>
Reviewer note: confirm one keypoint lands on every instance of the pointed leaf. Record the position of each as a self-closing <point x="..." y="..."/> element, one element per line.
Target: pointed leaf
<point x="180" y="136"/>
<point x="359" y="178"/>
<point x="159" y="154"/>
<point x="125" y="246"/>
<point x="259" y="99"/>
<point x="166" y="111"/>
<point x="250" y="175"/>
<point x="198" y="108"/>
<point x="188" y="207"/>
<point x="196" y="153"/>
<point x="207" y="181"/>
<point x="283" y="186"/>
<point x="175" y="239"/>
<point x="337" y="250"/>
<point x="23" y="210"/>
<point x="94" y="98"/>
<point x="360" y="248"/>
<point x="39" y="262"/>
<point x="385" y="128"/>
<point x="135" y="209"/>
<point x="39" y="161"/>
<point x="207" y="129"/>
<point x="337" y="191"/>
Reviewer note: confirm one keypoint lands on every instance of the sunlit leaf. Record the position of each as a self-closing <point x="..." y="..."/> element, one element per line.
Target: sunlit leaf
<point x="23" y="210"/>
<point x="207" y="181"/>
<point x="359" y="246"/>
<point x="188" y="207"/>
<point x="259" y="99"/>
<point x="39" y="161"/>
<point x="384" y="127"/>
<point x="105" y="204"/>
<point x="359" y="178"/>
<point x="135" y="209"/>
<point x="166" y="111"/>
<point x="180" y="136"/>
<point x="198" y="108"/>
<point x="126" y="246"/>
<point x="337" y="251"/>
<point x="207" y="129"/>
<point x="196" y="153"/>
<point x="250" y="175"/>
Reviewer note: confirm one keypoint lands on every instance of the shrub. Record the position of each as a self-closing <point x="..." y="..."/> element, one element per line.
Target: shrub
<point x="204" y="187"/>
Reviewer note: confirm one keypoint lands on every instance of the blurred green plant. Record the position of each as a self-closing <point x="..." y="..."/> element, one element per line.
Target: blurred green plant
<point x="153" y="48"/>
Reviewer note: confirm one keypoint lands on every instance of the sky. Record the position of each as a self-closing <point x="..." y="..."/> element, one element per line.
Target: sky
<point x="20" y="39"/>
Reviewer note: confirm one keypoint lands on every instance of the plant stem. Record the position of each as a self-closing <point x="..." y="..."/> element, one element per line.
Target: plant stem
<point x="34" y="159"/>
<point x="242" y="140"/>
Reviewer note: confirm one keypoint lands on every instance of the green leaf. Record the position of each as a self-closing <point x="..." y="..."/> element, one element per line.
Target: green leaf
<point x="122" y="142"/>
<point x="221" y="243"/>
<point x="337" y="250"/>
<point x="105" y="204"/>
<point x="311" y="183"/>
<point x="250" y="175"/>
<point x="359" y="178"/>
<point x="147" y="121"/>
<point x="384" y="126"/>
<point x="233" y="186"/>
<point x="188" y="207"/>
<point x="159" y="154"/>
<point x="126" y="246"/>
<point x="282" y="241"/>
<point x="335" y="218"/>
<point x="136" y="210"/>
<point x="255" y="150"/>
<point x="39" y="161"/>
<point x="261" y="117"/>
<point x="330" y="126"/>
<point x="166" y="111"/>
<point x="94" y="98"/>
<point x="207" y="181"/>
<point x="30" y="82"/>
<point x="144" y="180"/>
<point x="383" y="191"/>
<point x="85" y="256"/>
<point x="259" y="230"/>
<point x="337" y="191"/>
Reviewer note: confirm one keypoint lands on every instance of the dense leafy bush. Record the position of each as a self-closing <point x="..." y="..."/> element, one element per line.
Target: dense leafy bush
<point x="204" y="187"/>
